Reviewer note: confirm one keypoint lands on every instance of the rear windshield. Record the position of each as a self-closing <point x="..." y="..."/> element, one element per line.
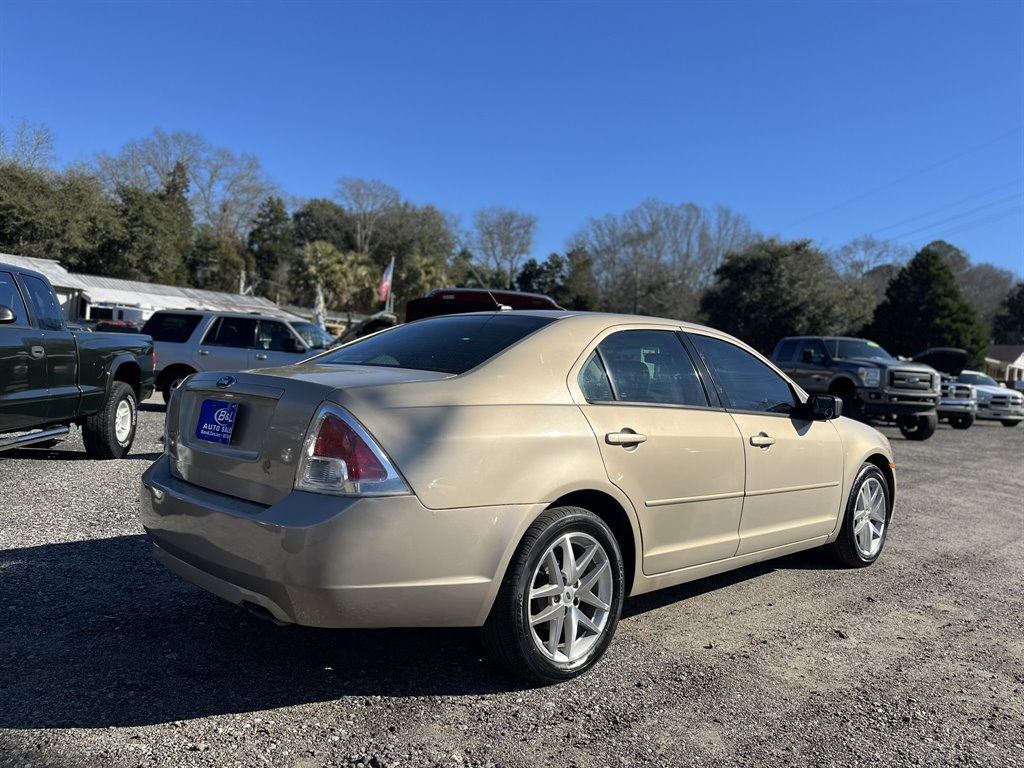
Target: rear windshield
<point x="168" y="326"/>
<point x="452" y="344"/>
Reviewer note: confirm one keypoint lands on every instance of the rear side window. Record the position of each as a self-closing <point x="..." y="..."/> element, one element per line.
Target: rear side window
<point x="232" y="332"/>
<point x="168" y="326"/>
<point x="10" y="297"/>
<point x="642" y="367"/>
<point x="452" y="344"/>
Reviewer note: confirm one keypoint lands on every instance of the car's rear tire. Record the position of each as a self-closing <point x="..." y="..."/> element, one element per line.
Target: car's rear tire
<point x="109" y="433"/>
<point x="920" y="426"/>
<point x="1010" y="423"/>
<point x="963" y="421"/>
<point x="866" y="521"/>
<point x="559" y="603"/>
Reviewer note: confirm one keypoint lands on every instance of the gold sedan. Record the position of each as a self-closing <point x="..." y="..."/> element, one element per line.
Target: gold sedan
<point x="522" y="472"/>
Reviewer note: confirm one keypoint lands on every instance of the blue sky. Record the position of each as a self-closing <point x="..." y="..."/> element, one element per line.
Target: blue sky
<point x="821" y="120"/>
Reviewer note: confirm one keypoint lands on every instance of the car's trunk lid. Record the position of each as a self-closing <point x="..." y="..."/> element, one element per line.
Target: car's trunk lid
<point x="268" y="415"/>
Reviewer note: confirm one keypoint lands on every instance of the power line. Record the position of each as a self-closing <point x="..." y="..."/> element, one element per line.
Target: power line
<point x="910" y="175"/>
<point x="1008" y="213"/>
<point x="947" y="206"/>
<point x="948" y="219"/>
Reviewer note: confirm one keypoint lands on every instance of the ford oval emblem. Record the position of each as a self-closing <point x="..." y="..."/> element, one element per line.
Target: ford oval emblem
<point x="226" y="381"/>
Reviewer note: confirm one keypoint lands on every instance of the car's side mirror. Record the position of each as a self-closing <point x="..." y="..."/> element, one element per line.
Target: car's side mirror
<point x="822" y="408"/>
<point x="6" y="315"/>
<point x="294" y="345"/>
<point x="807" y="356"/>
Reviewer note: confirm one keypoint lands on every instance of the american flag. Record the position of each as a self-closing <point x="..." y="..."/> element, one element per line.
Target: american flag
<point x="385" y="282"/>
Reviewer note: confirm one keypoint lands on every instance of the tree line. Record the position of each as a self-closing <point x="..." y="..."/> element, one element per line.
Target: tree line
<point x="171" y="208"/>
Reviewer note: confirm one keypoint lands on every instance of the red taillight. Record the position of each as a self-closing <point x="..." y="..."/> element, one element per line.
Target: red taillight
<point x="337" y="440"/>
<point x="340" y="457"/>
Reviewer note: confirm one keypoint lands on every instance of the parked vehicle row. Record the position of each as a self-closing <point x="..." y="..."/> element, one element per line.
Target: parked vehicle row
<point x="521" y="472"/>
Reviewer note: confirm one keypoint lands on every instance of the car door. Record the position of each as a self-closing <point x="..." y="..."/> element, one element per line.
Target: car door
<point x="276" y="344"/>
<point x="61" y="353"/>
<point x="24" y="397"/>
<point x="794" y="467"/>
<point x="666" y="444"/>
<point x="227" y="344"/>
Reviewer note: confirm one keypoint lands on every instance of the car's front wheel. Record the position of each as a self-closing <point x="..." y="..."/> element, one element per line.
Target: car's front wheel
<point x="866" y="522"/>
<point x="559" y="604"/>
<point x="963" y="421"/>
<point x="1010" y="423"/>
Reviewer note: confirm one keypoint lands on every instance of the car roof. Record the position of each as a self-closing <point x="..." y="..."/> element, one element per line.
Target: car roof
<point x="8" y="267"/>
<point x="598" y="320"/>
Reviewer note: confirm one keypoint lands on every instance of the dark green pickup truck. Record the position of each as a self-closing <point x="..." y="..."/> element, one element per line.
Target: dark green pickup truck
<point x="52" y="377"/>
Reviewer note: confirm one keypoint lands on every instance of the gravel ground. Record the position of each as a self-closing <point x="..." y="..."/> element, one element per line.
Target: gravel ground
<point x="106" y="659"/>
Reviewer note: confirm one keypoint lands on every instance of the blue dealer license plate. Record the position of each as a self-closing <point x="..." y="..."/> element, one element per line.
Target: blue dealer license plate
<point x="216" y="421"/>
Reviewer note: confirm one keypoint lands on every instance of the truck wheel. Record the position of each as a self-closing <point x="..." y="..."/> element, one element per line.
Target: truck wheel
<point x="1010" y="423"/>
<point x="962" y="421"/>
<point x="919" y="427"/>
<point x="109" y="433"/>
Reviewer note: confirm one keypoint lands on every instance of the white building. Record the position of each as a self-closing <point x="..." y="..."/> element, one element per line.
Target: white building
<point x="88" y="297"/>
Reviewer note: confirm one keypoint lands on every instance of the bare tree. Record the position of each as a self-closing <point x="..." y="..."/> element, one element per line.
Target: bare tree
<point x="503" y="237"/>
<point x="861" y="256"/>
<point x="30" y="146"/>
<point x="226" y="189"/>
<point x="659" y="258"/>
<point x="368" y="201"/>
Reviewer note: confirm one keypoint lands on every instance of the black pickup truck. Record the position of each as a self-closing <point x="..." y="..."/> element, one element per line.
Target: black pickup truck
<point x="872" y="383"/>
<point x="52" y="377"/>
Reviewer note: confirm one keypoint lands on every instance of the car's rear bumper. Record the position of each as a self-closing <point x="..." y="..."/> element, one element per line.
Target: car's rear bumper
<point x="332" y="561"/>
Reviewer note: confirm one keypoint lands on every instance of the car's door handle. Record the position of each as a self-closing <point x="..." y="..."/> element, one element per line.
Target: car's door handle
<point x="261" y="357"/>
<point x="36" y="352"/>
<point x="624" y="438"/>
<point x="204" y="351"/>
<point x="762" y="440"/>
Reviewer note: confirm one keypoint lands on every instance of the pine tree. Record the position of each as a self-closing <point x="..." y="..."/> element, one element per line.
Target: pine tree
<point x="923" y="308"/>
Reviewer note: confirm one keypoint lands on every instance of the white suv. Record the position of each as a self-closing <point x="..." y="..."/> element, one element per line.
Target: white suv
<point x="189" y="340"/>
